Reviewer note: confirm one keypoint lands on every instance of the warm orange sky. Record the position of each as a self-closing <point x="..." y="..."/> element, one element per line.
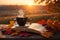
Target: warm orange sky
<point x="23" y="2"/>
<point x="20" y="2"/>
<point x="16" y="2"/>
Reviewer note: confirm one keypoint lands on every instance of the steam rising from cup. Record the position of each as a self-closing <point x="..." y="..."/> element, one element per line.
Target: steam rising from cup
<point x="21" y="13"/>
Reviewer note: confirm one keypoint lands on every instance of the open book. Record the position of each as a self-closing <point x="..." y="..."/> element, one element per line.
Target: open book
<point x="43" y="31"/>
<point x="37" y="27"/>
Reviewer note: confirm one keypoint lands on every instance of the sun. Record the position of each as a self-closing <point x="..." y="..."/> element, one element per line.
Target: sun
<point x="30" y="4"/>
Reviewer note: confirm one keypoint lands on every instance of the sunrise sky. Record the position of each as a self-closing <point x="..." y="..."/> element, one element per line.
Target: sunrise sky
<point x="16" y="2"/>
<point x="23" y="2"/>
<point x="20" y="2"/>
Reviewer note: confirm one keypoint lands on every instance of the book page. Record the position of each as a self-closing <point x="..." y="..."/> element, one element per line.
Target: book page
<point x="37" y="27"/>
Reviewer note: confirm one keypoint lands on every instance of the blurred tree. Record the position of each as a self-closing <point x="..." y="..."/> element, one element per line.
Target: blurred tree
<point x="52" y="5"/>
